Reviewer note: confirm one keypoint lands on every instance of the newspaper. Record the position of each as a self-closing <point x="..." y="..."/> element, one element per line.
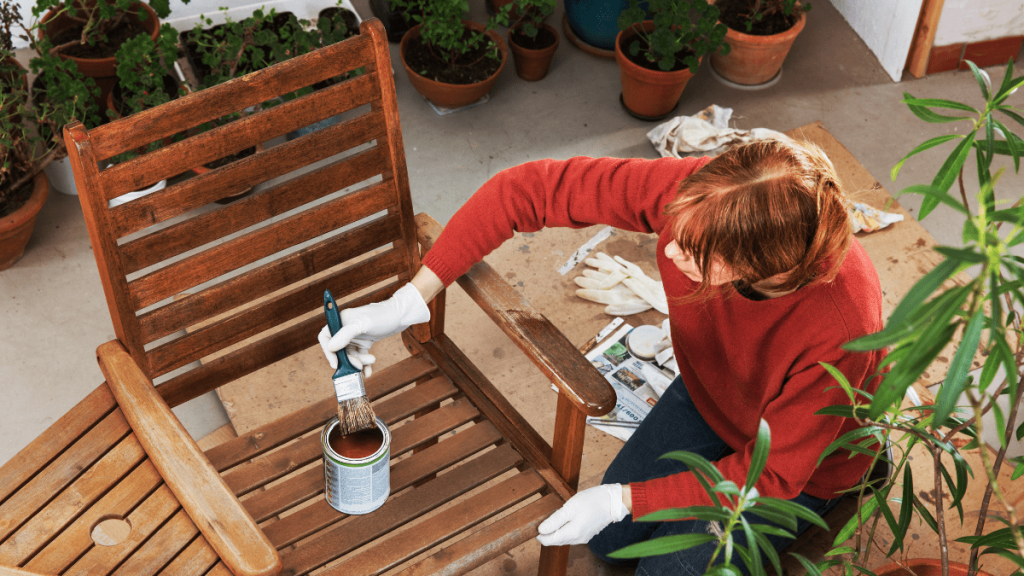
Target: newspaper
<point x="634" y="395"/>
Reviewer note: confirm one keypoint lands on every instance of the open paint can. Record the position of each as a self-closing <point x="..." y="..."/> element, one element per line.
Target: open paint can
<point x="357" y="468"/>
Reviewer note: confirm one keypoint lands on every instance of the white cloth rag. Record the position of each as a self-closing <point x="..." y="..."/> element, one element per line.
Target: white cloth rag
<point x="706" y="133"/>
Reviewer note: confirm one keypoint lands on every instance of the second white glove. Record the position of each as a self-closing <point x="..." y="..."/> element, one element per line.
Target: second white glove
<point x="583" y="516"/>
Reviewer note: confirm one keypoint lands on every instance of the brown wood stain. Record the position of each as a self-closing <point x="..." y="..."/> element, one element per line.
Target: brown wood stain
<point x="356" y="445"/>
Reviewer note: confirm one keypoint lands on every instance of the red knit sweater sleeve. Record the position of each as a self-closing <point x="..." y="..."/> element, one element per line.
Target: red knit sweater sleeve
<point x="625" y="193"/>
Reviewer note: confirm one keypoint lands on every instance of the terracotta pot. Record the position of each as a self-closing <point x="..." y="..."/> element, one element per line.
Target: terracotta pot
<point x="532" y="65"/>
<point x="924" y="567"/>
<point x="102" y="70"/>
<point x="649" y="94"/>
<point x="452" y="95"/>
<point x="754" y="59"/>
<point x="16" y="228"/>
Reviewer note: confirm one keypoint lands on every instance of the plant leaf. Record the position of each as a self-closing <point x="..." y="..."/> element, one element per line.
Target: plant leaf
<point x="930" y="143"/>
<point x="956" y="377"/>
<point x="760" y="454"/>
<point x="662" y="545"/>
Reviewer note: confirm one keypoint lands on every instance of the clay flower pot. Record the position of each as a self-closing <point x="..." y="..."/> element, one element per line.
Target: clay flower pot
<point x="648" y="94"/>
<point x="754" y="60"/>
<point x="532" y="65"/>
<point x="452" y="95"/>
<point x="102" y="70"/>
<point x="925" y="567"/>
<point x="16" y="228"/>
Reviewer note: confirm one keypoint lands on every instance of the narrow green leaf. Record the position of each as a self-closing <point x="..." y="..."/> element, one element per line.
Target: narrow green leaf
<point x="936" y="103"/>
<point x="978" y="76"/>
<point x="700" y="512"/>
<point x="963" y="255"/>
<point x="764" y="544"/>
<point x="1004" y="86"/>
<point x="809" y="566"/>
<point x="755" y="565"/>
<point x="760" y="454"/>
<point x="937" y="195"/>
<point x="922" y="510"/>
<point x="921" y="290"/>
<point x="849" y="437"/>
<point x="795" y="509"/>
<point x="662" y="545"/>
<point x="930" y="143"/>
<point x="863" y="513"/>
<point x="780" y="518"/>
<point x="947" y="173"/>
<point x="956" y="377"/>
<point x="1018" y="470"/>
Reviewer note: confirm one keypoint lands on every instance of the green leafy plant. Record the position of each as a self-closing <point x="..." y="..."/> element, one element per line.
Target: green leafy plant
<point x="983" y="315"/>
<point x="532" y="14"/>
<point x="442" y="29"/>
<point x="730" y="512"/>
<point x="142" y="66"/>
<point x="684" y="31"/>
<point x="758" y="9"/>
<point x="97" y="17"/>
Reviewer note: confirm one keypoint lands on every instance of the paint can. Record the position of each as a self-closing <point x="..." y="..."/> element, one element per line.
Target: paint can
<point x="357" y="468"/>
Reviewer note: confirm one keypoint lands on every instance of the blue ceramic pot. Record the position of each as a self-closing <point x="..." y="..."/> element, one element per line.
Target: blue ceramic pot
<point x="595" y="21"/>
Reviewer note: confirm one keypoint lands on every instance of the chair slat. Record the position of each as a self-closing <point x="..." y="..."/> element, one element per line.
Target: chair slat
<point x="270" y="467"/>
<point x="261" y="243"/>
<point x="195" y="232"/>
<point x="145" y="520"/>
<point x="158" y="123"/>
<point x="269" y="314"/>
<point x="276" y="433"/>
<point x="305" y="485"/>
<point x="75" y="540"/>
<point x="62" y="472"/>
<point x="81" y="494"/>
<point x="161" y="548"/>
<point x="195" y="560"/>
<point x="241" y="175"/>
<point x="398" y="510"/>
<point x="51" y="443"/>
<point x="393" y="551"/>
<point x="219" y="570"/>
<point x="504" y="534"/>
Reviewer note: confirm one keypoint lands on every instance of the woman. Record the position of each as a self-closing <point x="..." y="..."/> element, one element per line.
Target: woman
<point x="764" y="282"/>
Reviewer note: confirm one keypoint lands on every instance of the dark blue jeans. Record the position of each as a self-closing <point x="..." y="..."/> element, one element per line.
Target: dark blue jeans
<point x="675" y="424"/>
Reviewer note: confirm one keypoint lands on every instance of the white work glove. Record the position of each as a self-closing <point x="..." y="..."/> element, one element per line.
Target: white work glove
<point x="621" y="285"/>
<point x="362" y="326"/>
<point x="583" y="516"/>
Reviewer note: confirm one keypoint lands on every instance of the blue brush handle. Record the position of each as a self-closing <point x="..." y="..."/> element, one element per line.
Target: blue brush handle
<point x="334" y="324"/>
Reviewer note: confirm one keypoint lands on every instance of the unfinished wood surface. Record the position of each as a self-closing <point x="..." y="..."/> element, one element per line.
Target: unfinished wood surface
<point x="195" y="560"/>
<point x="173" y="537"/>
<point x="452" y="521"/>
<point x="924" y="37"/>
<point x="201" y="491"/>
<point x="10" y="571"/>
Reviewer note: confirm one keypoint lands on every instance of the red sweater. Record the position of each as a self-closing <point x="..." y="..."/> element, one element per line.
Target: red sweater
<point x="742" y="360"/>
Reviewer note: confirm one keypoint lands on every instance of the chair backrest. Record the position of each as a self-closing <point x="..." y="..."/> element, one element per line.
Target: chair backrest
<point x="186" y="278"/>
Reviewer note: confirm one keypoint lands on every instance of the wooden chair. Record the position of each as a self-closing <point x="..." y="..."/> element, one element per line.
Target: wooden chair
<point x="186" y="278"/>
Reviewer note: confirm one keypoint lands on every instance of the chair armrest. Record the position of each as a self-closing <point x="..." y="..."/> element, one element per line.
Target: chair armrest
<point x="200" y="490"/>
<point x="542" y="342"/>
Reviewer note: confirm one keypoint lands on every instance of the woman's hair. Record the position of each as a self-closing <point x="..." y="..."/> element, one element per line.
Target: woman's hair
<point x="762" y="209"/>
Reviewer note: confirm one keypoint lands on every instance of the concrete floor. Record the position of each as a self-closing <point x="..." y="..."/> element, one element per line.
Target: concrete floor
<point x="46" y="351"/>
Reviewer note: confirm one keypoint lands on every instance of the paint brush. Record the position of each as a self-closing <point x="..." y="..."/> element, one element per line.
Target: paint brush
<point x="354" y="411"/>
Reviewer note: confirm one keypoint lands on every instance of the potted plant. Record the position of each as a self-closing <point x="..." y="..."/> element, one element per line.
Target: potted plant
<point x="982" y="315"/>
<point x="533" y="43"/>
<point x="592" y="25"/>
<point x="658" y="56"/>
<point x="760" y="35"/>
<point x="450" y="61"/>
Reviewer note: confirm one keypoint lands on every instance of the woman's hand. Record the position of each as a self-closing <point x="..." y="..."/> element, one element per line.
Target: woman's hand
<point x="584" y="515"/>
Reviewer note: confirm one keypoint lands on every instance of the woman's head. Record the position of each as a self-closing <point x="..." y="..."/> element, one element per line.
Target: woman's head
<point x="770" y="211"/>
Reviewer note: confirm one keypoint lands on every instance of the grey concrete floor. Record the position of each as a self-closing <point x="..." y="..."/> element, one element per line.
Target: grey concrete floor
<point x="55" y="314"/>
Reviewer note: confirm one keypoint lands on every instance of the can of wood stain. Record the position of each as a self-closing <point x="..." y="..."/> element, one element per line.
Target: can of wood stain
<point x="357" y="468"/>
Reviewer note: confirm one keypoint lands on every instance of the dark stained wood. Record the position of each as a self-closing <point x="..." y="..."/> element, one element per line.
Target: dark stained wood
<point x="398" y="510"/>
<point x="554" y="560"/>
<point x="161" y="548"/>
<point x="194" y="560"/>
<point x="236" y="94"/>
<point x="543" y="344"/>
<point x="474" y="510"/>
<point x="202" y="492"/>
<point x="484" y="544"/>
<point x="570" y="429"/>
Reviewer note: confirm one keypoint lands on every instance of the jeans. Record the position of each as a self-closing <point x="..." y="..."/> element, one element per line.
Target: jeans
<point x="675" y="424"/>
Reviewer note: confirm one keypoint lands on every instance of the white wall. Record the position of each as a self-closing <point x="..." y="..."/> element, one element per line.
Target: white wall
<point x="974" y="20"/>
<point x="886" y="26"/>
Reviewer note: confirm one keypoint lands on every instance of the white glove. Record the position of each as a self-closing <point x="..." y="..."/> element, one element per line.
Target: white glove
<point x="583" y="516"/>
<point x="621" y="285"/>
<point x="362" y="326"/>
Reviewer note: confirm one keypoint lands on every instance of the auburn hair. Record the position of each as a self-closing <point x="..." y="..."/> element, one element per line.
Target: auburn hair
<point x="762" y="209"/>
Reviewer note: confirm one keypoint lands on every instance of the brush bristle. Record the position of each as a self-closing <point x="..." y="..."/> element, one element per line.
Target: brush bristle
<point x="355" y="415"/>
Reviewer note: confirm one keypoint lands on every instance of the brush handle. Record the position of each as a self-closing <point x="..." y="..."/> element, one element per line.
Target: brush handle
<point x="334" y="324"/>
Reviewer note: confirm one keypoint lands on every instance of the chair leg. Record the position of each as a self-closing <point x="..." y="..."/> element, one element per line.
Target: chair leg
<point x="554" y="561"/>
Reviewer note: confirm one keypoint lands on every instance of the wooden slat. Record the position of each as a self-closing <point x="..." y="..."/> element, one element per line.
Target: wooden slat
<point x="154" y="124"/>
<point x="496" y="409"/>
<point x="195" y="560"/>
<point x="268" y="437"/>
<point x="161" y="548"/>
<point x="398" y="510"/>
<point x="266" y="469"/>
<point x="9" y="571"/>
<point x="219" y="570"/>
<point x="195" y="232"/>
<point x="393" y="551"/>
<point x="76" y="498"/>
<point x="61" y="472"/>
<point x="48" y="445"/>
<point x="924" y="37"/>
<point x="274" y="500"/>
<point x="145" y="520"/>
<point x="75" y="539"/>
<point x="535" y="335"/>
<point x="476" y="549"/>
<point x="242" y="174"/>
<point x="201" y="491"/>
<point x="278" y="346"/>
<point x="266" y="315"/>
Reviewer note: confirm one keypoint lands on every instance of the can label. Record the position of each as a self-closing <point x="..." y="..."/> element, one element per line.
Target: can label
<point x="356" y="481"/>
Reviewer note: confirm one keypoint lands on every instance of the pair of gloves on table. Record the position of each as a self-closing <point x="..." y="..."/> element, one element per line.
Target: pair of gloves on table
<point x="621" y="285"/>
<point x="577" y="521"/>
